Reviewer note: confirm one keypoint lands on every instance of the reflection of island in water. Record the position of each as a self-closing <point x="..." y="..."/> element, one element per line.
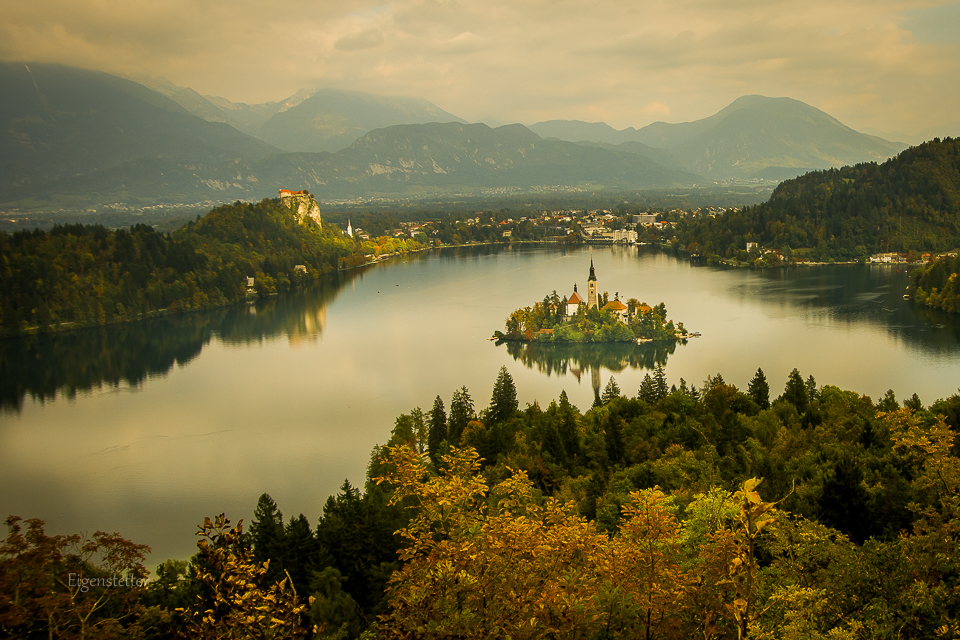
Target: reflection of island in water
<point x="579" y="359"/>
<point x="47" y="365"/>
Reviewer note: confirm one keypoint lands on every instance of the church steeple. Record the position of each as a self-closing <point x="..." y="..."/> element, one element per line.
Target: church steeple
<point x="592" y="300"/>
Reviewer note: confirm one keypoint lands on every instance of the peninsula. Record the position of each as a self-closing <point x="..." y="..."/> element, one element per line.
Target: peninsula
<point x="596" y="319"/>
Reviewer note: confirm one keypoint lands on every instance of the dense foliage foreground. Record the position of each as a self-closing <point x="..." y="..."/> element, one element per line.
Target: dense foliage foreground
<point x="676" y="513"/>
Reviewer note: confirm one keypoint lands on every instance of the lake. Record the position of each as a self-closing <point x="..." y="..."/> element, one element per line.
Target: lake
<point x="146" y="428"/>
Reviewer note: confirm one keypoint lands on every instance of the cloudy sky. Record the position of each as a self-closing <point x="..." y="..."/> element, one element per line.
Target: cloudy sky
<point x="887" y="65"/>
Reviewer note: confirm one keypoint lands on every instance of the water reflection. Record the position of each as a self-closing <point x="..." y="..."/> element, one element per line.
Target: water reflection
<point x="854" y="295"/>
<point x="47" y="365"/>
<point x="588" y="358"/>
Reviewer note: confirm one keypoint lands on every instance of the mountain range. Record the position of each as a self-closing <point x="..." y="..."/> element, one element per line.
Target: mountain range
<point x="754" y="136"/>
<point x="74" y="138"/>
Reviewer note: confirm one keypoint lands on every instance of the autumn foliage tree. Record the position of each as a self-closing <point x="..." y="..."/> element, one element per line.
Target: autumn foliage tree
<point x="237" y="601"/>
<point x="69" y="586"/>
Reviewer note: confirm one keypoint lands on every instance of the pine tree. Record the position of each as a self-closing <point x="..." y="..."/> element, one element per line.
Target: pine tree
<point x="611" y="391"/>
<point x="613" y="435"/>
<point x="889" y="402"/>
<point x="913" y="402"/>
<point x="795" y="391"/>
<point x="567" y="427"/>
<point x="461" y="413"/>
<point x="660" y="382"/>
<point x="438" y="430"/>
<point x="420" y="429"/>
<point x="646" y="392"/>
<point x="503" y="403"/>
<point x="811" y="390"/>
<point x="301" y="551"/>
<point x="759" y="389"/>
<point x="267" y="535"/>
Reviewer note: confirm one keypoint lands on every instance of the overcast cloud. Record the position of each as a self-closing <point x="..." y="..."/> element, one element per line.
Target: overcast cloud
<point x="891" y="65"/>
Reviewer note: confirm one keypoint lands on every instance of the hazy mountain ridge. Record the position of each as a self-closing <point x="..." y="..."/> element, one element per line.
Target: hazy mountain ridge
<point x="76" y="138"/>
<point x="309" y="121"/>
<point x="754" y="136"/>
<point x="395" y="160"/>
<point x="59" y="122"/>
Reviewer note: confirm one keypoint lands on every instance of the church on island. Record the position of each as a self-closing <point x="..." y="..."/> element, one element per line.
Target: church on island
<point x="593" y="299"/>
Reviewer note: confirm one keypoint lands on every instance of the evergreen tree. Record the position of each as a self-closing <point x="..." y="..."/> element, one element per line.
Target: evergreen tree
<point x="660" y="382"/>
<point x="913" y="402"/>
<point x="461" y="413"/>
<point x="713" y="381"/>
<point x="567" y="427"/>
<point x="503" y="403"/>
<point x="811" y="385"/>
<point x="438" y="430"/>
<point x="333" y="609"/>
<point x="613" y="435"/>
<point x="421" y="432"/>
<point x="611" y="391"/>
<point x="796" y="391"/>
<point x="889" y="402"/>
<point x="301" y="552"/>
<point x="647" y="391"/>
<point x="759" y="390"/>
<point x="267" y="535"/>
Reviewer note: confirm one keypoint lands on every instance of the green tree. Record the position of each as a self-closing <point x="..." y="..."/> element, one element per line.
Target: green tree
<point x="759" y="390"/>
<point x="438" y="429"/>
<point x="333" y="611"/>
<point x="811" y="385"/>
<point x="795" y="392"/>
<point x="503" y="402"/>
<point x="660" y="387"/>
<point x="461" y="413"/>
<point x="301" y="552"/>
<point x="611" y="391"/>
<point x="267" y="536"/>
<point x="648" y="390"/>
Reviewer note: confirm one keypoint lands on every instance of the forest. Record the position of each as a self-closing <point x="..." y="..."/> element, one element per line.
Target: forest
<point x="910" y="202"/>
<point x="674" y="512"/>
<point x="935" y="285"/>
<point x="86" y="275"/>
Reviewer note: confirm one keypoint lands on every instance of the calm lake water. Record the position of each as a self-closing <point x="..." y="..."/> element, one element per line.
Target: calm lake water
<point x="146" y="428"/>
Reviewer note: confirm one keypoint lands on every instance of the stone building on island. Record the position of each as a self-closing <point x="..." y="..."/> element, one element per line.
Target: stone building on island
<point x="593" y="299"/>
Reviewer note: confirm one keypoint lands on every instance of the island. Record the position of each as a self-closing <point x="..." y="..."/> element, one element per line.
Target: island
<point x="596" y="319"/>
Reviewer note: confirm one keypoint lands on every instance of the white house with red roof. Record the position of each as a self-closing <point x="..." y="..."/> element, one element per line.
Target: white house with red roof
<point x="574" y="301"/>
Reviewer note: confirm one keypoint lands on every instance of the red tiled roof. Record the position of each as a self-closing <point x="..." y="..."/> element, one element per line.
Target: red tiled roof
<point x="574" y="298"/>
<point x="615" y="305"/>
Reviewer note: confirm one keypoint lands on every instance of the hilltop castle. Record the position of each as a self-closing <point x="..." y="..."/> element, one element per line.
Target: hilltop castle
<point x="303" y="204"/>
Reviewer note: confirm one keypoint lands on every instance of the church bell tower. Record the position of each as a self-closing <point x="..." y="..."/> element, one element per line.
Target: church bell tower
<point x="592" y="288"/>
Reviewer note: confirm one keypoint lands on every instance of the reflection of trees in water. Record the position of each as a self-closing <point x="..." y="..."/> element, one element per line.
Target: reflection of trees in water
<point x="300" y="316"/>
<point x="579" y="359"/>
<point x="48" y="365"/>
<point x="856" y="295"/>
